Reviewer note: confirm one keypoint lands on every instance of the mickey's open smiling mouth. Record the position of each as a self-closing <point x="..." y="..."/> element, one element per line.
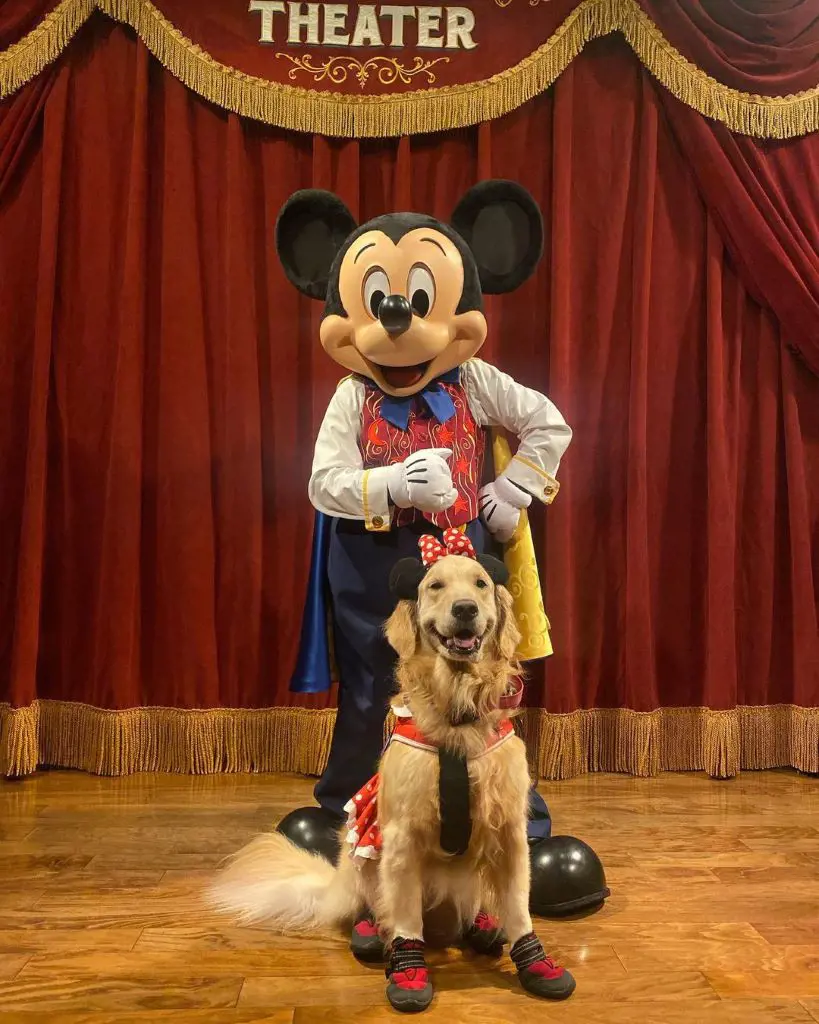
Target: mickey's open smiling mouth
<point x="402" y="376"/>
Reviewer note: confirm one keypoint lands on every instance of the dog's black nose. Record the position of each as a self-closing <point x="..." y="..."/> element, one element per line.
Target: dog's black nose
<point x="464" y="611"/>
<point x="395" y="314"/>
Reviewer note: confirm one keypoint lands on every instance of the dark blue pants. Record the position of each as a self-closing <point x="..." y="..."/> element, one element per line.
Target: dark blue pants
<point x="359" y="565"/>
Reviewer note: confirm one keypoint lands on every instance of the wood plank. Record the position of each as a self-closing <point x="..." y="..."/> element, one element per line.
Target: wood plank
<point x="60" y="940"/>
<point x="526" y="1010"/>
<point x="219" y="1016"/>
<point x="123" y="993"/>
<point x="797" y="982"/>
<point x="11" y="963"/>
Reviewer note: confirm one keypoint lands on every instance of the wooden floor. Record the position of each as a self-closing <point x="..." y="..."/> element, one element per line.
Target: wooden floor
<point x="714" y="915"/>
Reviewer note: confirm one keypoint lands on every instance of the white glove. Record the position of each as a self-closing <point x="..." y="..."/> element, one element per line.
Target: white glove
<point x="500" y="504"/>
<point x="423" y="481"/>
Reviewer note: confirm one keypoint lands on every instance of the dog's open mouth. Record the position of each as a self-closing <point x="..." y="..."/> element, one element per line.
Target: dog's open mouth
<point x="464" y="642"/>
<point x="402" y="376"/>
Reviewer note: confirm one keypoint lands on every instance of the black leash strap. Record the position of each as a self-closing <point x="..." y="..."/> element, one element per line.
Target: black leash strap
<point x="453" y="792"/>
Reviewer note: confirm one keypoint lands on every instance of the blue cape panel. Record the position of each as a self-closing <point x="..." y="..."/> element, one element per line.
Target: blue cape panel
<point x="312" y="672"/>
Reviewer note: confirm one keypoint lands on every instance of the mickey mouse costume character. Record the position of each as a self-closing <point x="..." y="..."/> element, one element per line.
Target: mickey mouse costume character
<point x="401" y="453"/>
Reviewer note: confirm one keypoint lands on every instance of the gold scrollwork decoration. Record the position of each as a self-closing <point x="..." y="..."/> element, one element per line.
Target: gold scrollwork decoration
<point x="507" y="3"/>
<point x="388" y="70"/>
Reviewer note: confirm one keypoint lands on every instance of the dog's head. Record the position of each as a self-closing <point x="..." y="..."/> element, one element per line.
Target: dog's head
<point x="458" y="608"/>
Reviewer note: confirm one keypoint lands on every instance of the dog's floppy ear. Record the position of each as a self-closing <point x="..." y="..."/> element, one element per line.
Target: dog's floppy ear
<point x="402" y="629"/>
<point x="502" y="225"/>
<point x="405" y="579"/>
<point x="496" y="569"/>
<point x="311" y="229"/>
<point x="507" y="636"/>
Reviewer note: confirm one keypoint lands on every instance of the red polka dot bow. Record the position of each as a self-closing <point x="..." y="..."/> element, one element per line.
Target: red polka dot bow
<point x="455" y="543"/>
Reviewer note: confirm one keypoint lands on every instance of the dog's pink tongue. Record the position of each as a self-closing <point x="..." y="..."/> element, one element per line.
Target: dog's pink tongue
<point x="466" y="644"/>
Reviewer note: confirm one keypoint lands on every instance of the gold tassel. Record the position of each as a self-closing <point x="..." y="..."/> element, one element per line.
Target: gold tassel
<point x="721" y="744"/>
<point x="18" y="740"/>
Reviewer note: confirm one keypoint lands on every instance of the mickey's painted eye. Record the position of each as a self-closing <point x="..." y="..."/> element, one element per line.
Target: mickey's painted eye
<point x="376" y="289"/>
<point x="421" y="290"/>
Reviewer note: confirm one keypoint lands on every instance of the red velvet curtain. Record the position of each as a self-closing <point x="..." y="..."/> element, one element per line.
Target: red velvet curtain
<point x="161" y="386"/>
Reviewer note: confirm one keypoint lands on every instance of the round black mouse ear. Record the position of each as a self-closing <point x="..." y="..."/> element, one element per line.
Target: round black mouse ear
<point x="405" y="579"/>
<point x="497" y="570"/>
<point x="311" y="228"/>
<point x="502" y="225"/>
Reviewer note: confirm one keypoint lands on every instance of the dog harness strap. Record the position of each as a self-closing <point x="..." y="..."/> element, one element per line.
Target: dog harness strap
<point x="453" y="792"/>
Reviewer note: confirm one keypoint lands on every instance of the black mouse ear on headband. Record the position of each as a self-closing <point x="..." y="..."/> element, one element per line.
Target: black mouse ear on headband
<point x="405" y="579"/>
<point x="497" y="570"/>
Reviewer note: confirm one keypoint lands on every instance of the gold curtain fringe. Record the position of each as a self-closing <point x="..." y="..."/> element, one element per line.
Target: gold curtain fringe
<point x="770" y="117"/>
<point x="722" y="743"/>
<point x="68" y="735"/>
<point x="42" y="45"/>
<point x="425" y="110"/>
<point x="391" y="114"/>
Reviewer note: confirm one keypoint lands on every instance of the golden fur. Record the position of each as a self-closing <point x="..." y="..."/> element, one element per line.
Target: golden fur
<point x="454" y="700"/>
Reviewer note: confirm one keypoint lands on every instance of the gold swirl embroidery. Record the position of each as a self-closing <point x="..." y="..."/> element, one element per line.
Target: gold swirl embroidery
<point x="507" y="3"/>
<point x="388" y="70"/>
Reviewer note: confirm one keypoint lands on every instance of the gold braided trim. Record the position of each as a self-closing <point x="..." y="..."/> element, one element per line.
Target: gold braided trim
<point x="43" y="44"/>
<point x="190" y="742"/>
<point x="424" y="110"/>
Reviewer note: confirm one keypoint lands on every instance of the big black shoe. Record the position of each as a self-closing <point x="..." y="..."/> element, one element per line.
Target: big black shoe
<point x="314" y="829"/>
<point x="567" y="877"/>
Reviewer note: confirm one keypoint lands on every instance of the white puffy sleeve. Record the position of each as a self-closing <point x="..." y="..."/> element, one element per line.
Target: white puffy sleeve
<point x="339" y="484"/>
<point x="499" y="401"/>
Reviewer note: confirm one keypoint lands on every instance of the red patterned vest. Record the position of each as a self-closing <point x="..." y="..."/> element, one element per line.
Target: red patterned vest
<point x="383" y="444"/>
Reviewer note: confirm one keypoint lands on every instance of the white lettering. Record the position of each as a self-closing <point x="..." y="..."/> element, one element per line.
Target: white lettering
<point x="429" y="21"/>
<point x="367" y="32"/>
<point x="397" y="13"/>
<point x="267" y="8"/>
<point x="460" y="22"/>
<point x="298" y="21"/>
<point x="335" y="24"/>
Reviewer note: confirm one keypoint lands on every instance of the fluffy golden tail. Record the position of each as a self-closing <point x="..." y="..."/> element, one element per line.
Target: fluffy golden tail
<point x="273" y="882"/>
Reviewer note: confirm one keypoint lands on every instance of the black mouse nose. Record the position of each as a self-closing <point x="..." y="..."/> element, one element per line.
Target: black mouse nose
<point x="464" y="611"/>
<point x="395" y="314"/>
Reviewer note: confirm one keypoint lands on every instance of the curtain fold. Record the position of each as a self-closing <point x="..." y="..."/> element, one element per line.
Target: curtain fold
<point x="161" y="386"/>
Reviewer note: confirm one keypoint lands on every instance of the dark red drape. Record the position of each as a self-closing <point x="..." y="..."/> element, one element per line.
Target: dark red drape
<point x="161" y="386"/>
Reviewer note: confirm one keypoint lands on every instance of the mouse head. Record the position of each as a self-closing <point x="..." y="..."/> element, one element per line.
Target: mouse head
<point x="404" y="293"/>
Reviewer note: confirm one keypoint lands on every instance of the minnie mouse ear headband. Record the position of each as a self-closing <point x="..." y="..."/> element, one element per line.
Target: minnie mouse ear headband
<point x="407" y="574"/>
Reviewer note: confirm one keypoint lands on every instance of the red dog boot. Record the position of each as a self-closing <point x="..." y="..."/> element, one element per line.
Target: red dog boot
<point x="409" y="989"/>
<point x="485" y="935"/>
<point x="365" y="942"/>
<point x="537" y="972"/>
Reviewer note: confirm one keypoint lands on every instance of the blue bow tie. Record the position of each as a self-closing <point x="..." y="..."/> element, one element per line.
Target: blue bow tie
<point x="437" y="400"/>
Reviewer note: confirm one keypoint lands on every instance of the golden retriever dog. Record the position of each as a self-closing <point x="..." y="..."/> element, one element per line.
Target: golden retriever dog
<point x="451" y="808"/>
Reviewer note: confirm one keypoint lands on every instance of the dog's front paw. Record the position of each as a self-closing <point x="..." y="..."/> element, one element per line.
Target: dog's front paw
<point x="538" y="973"/>
<point x="409" y="989"/>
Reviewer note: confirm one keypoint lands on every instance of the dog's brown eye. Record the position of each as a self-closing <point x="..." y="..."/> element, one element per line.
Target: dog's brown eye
<point x="481" y="584"/>
<point x="437" y="585"/>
